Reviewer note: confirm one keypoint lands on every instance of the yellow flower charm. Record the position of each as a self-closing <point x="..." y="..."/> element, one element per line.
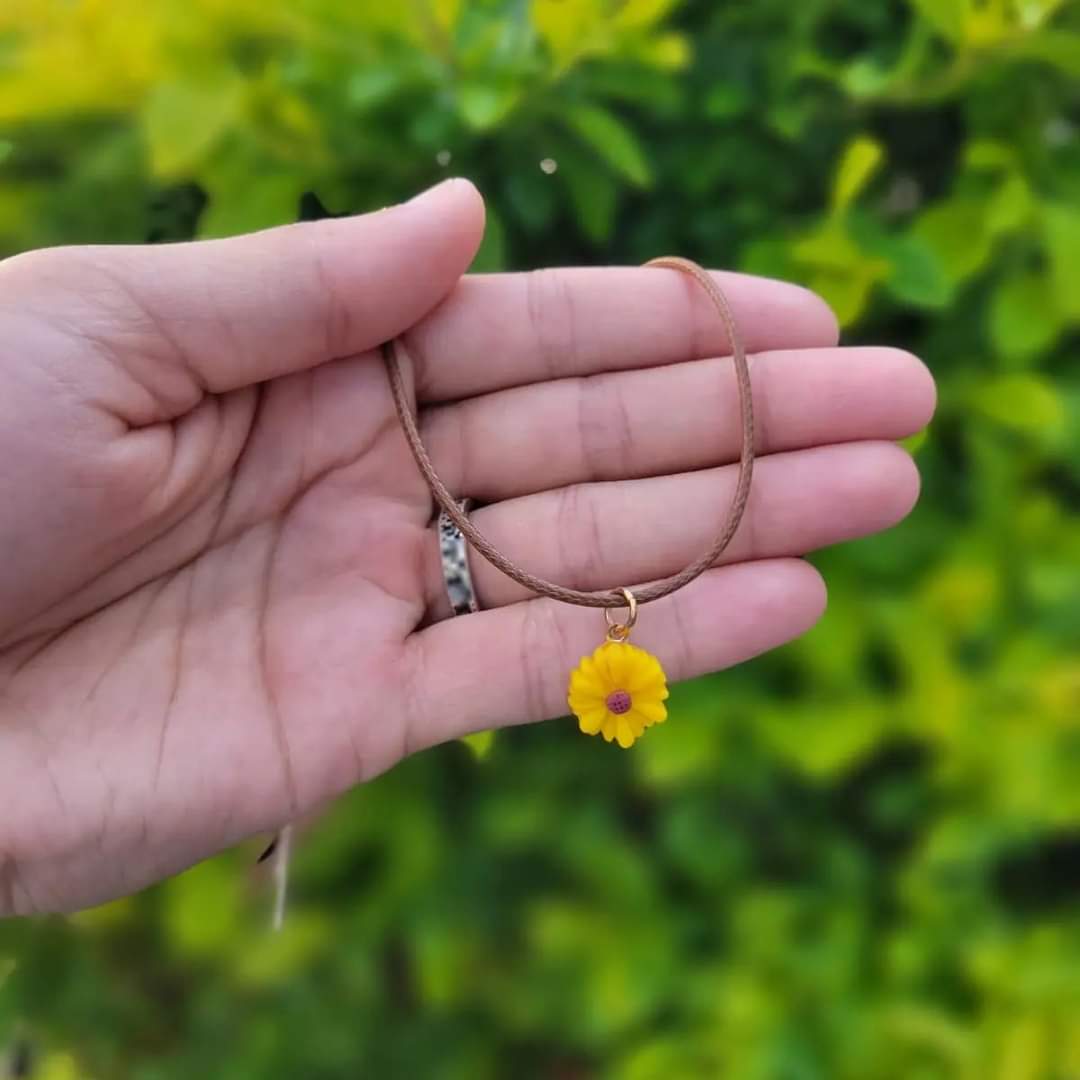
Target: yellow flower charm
<point x="618" y="692"/>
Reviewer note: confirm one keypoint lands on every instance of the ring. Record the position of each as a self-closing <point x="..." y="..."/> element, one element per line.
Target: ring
<point x="620" y="631"/>
<point x="454" y="550"/>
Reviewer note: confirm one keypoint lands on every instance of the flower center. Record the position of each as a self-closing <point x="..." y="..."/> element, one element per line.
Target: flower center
<point x="618" y="702"/>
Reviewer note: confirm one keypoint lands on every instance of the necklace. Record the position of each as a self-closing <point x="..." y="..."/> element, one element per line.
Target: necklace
<point x="620" y="689"/>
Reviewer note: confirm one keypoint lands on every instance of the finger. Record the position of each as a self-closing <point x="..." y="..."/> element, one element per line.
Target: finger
<point x="597" y="536"/>
<point x="510" y="329"/>
<point x="664" y="420"/>
<point x="216" y="315"/>
<point x="511" y="665"/>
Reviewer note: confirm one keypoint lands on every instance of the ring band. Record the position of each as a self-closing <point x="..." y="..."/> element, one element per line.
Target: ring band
<point x="454" y="550"/>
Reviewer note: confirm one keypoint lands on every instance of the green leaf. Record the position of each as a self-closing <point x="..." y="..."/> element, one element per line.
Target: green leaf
<point x="843" y="274"/>
<point x="847" y="294"/>
<point x="202" y="909"/>
<point x="483" y="105"/>
<point x="642" y="14"/>
<point x="989" y="154"/>
<point x="58" y="1066"/>
<point x="1010" y="206"/>
<point x="593" y="193"/>
<point x="274" y="958"/>
<point x="1025" y="402"/>
<point x="1061" y="238"/>
<point x="866" y="78"/>
<point x="182" y="122"/>
<point x="491" y="257"/>
<point x="726" y="100"/>
<point x="840" y="737"/>
<point x="1057" y="48"/>
<point x="371" y="86"/>
<point x="531" y="195"/>
<point x="480" y="743"/>
<point x="666" y="52"/>
<point x="916" y="275"/>
<point x="861" y="159"/>
<point x="239" y="206"/>
<point x="612" y="140"/>
<point x="446" y="12"/>
<point x="914" y="443"/>
<point x="956" y="232"/>
<point x="1024" y="317"/>
<point x="947" y="17"/>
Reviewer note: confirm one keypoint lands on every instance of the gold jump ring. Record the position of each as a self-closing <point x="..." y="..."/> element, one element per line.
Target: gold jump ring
<point x="620" y="631"/>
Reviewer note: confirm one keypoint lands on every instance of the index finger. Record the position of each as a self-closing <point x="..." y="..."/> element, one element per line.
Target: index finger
<point x="500" y="330"/>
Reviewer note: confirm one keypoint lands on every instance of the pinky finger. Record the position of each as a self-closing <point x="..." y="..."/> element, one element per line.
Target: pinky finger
<point x="510" y="665"/>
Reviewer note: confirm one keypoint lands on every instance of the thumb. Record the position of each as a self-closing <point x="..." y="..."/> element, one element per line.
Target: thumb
<point x="229" y="313"/>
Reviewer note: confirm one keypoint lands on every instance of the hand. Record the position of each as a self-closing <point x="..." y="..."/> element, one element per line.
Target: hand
<point x="221" y="601"/>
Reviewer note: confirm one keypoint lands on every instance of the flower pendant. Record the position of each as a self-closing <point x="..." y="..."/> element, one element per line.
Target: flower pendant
<point x="618" y="692"/>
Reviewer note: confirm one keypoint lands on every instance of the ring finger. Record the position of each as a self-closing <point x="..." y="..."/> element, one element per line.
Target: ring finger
<point x="603" y="535"/>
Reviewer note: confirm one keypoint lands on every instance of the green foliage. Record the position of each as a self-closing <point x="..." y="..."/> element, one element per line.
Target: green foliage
<point x="856" y="858"/>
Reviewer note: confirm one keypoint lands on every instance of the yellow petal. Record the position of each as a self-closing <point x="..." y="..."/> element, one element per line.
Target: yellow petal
<point x="620" y="661"/>
<point x="647" y="673"/>
<point x="586" y="677"/>
<point x="608" y="666"/>
<point x="650" y="712"/>
<point x="583" y="699"/>
<point x="591" y="720"/>
<point x="624" y="734"/>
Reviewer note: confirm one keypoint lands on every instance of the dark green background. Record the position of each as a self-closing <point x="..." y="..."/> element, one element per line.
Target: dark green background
<point x="858" y="857"/>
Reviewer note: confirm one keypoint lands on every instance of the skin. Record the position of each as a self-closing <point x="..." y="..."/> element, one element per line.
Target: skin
<point x="220" y="597"/>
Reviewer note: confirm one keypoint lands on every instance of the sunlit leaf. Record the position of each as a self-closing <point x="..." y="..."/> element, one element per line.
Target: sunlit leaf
<point x="268" y="959"/>
<point x="1024" y="315"/>
<point x="1058" y="48"/>
<point x="1027" y="403"/>
<point x="612" y="140"/>
<point x="59" y="1066"/>
<point x="272" y="198"/>
<point x="956" y="231"/>
<point x="480" y="743"/>
<point x="183" y="121"/>
<point x="847" y="293"/>
<point x="1061" y="237"/>
<point x="202" y="908"/>
<point x="1010" y="206"/>
<point x="947" y="17"/>
<point x="483" y="105"/>
<point x="914" y="443"/>
<point x="643" y="13"/>
<point x="446" y="12"/>
<point x="916" y="274"/>
<point x="862" y="158"/>
<point x="989" y="154"/>
<point x="668" y="52"/>
<point x="571" y="30"/>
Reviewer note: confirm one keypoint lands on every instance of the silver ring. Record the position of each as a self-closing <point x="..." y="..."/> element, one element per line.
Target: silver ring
<point x="454" y="549"/>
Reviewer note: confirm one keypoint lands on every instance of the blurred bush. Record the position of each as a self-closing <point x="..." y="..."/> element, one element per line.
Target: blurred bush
<point x="858" y="857"/>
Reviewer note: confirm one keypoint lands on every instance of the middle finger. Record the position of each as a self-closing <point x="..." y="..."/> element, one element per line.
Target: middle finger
<point x="670" y="419"/>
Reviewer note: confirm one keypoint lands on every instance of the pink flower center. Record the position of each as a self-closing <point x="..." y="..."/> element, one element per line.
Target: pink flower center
<point x="618" y="702"/>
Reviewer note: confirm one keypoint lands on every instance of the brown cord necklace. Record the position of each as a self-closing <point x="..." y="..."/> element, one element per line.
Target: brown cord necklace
<point x="619" y="690"/>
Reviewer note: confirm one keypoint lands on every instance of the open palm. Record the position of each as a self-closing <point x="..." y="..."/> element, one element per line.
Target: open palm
<point x="221" y="601"/>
